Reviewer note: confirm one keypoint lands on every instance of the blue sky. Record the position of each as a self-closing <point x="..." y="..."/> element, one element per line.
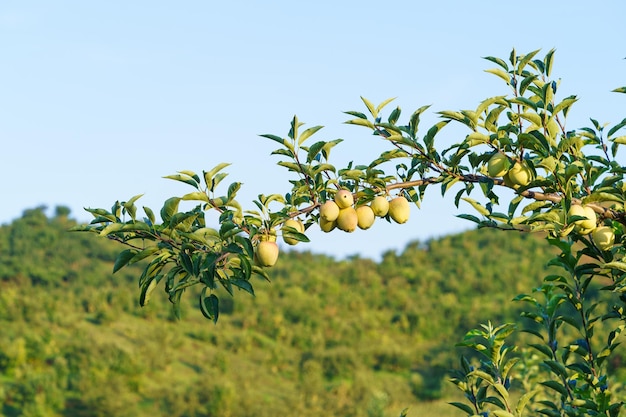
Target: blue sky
<point x="100" y="100"/>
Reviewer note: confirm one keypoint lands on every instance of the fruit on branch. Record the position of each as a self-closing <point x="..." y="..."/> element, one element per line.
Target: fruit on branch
<point x="327" y="225"/>
<point x="399" y="209"/>
<point x="365" y="216"/>
<point x="344" y="199"/>
<point x="520" y="174"/>
<point x="380" y="206"/>
<point x="508" y="182"/>
<point x="583" y="226"/>
<point x="348" y="219"/>
<point x="266" y="253"/>
<point x="329" y="211"/>
<point x="295" y="224"/>
<point x="603" y="237"/>
<point x="498" y="165"/>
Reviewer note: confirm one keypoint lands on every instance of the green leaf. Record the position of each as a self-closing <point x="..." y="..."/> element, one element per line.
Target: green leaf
<point x="537" y="205"/>
<point x="291" y="166"/>
<point x="307" y="134"/>
<point x="464" y="407"/>
<point x="133" y="199"/>
<point x="430" y="136"/>
<point x="394" y="116"/>
<point x="557" y="368"/>
<point x="498" y="61"/>
<point x="491" y="121"/>
<point x="182" y="178"/>
<point x="326" y="148"/>
<point x="502" y="413"/>
<point x="196" y="196"/>
<point x="144" y="254"/>
<point x="555" y="386"/>
<point x="616" y="128"/>
<point x="123" y="258"/>
<point x="548" y="62"/>
<point x="383" y="104"/>
<point x="356" y="114"/>
<point x="209" y="306"/>
<point x="527" y="81"/>
<point x="314" y="150"/>
<point x="415" y="119"/>
<point x="147" y="290"/>
<point x="361" y="122"/>
<point x="295" y="124"/>
<point x="484" y="105"/>
<point x="564" y="105"/>
<point x="124" y="227"/>
<point x="208" y="175"/>
<point x="169" y="208"/>
<point x="525" y="102"/>
<point x="542" y="348"/>
<point x="500" y="73"/>
<point x="469" y="217"/>
<point x="370" y="107"/>
<point x="620" y="140"/>
<point x="477" y="206"/>
<point x="525" y="60"/>
<point x="272" y="137"/>
<point x="616" y="265"/>
<point x="243" y="284"/>
<point x="150" y="214"/>
<point x="290" y="232"/>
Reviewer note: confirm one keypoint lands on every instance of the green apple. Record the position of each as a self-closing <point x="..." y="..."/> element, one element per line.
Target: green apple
<point x="603" y="237"/>
<point x="295" y="224"/>
<point x="583" y="226"/>
<point x="399" y="209"/>
<point x="520" y="174"/>
<point x="498" y="165"/>
<point x="266" y="253"/>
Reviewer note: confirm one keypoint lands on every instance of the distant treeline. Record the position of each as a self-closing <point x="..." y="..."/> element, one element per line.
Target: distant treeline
<point x="326" y="337"/>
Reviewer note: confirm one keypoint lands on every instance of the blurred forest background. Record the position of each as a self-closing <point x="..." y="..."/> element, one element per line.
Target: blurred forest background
<point x="326" y="337"/>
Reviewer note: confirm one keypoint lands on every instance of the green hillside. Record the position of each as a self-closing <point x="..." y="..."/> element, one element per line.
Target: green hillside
<point x="325" y="337"/>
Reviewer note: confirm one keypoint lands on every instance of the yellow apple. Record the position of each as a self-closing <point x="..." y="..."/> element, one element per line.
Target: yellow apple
<point x="348" y="219"/>
<point x="327" y="225"/>
<point x="587" y="225"/>
<point x="344" y="199"/>
<point x="329" y="211"/>
<point x="295" y="224"/>
<point x="399" y="209"/>
<point x="380" y="206"/>
<point x="520" y="174"/>
<point x="603" y="237"/>
<point x="365" y="217"/>
<point x="266" y="253"/>
<point x="498" y="165"/>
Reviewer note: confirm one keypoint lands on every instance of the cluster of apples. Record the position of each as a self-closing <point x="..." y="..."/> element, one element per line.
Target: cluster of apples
<point x="519" y="174"/>
<point x="603" y="236"/>
<point x="342" y="214"/>
<point x="337" y="213"/>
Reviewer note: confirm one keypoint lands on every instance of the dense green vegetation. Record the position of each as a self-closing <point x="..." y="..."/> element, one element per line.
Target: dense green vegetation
<point x="325" y="337"/>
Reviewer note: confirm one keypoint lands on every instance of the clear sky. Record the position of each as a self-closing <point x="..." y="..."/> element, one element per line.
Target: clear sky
<point x="100" y="100"/>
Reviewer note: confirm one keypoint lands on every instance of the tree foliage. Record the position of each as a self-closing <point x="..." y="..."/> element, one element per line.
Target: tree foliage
<point x="327" y="336"/>
<point x="564" y="182"/>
